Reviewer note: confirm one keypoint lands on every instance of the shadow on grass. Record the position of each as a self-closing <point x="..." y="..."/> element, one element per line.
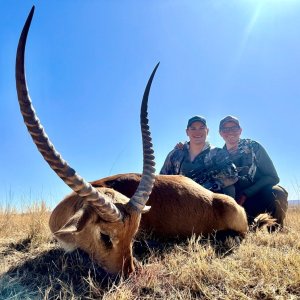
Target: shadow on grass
<point x="21" y="246"/>
<point x="222" y="242"/>
<point x="54" y="274"/>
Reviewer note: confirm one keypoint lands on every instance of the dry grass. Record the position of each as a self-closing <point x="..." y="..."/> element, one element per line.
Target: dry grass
<point x="264" y="266"/>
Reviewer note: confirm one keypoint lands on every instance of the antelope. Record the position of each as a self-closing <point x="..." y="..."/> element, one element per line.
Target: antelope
<point x="180" y="207"/>
<point x="103" y="217"/>
<point x="103" y="221"/>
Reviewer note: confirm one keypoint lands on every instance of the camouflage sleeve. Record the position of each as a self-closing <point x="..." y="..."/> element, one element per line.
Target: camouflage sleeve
<point x="267" y="174"/>
<point x="226" y="173"/>
<point x="228" y="176"/>
<point x="168" y="167"/>
<point x="244" y="181"/>
<point x="216" y="170"/>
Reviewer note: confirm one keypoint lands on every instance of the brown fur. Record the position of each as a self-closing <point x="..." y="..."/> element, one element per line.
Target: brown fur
<point x="110" y="244"/>
<point x="179" y="208"/>
<point x="264" y="220"/>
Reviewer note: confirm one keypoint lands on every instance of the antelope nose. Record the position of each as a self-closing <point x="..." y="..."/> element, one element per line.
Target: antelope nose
<point x="128" y="267"/>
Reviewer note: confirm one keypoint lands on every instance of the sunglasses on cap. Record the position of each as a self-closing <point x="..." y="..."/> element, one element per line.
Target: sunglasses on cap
<point x="230" y="129"/>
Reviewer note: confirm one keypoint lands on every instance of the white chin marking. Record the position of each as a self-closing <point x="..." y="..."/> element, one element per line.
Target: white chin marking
<point x="68" y="247"/>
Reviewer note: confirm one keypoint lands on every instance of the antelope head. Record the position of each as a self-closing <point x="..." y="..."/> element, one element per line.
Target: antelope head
<point x="100" y="221"/>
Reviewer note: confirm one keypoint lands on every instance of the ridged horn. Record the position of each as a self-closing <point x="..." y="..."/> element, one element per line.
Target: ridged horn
<point x="101" y="202"/>
<point x="141" y="195"/>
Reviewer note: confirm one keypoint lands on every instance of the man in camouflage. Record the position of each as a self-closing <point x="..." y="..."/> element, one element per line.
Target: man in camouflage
<point x="198" y="160"/>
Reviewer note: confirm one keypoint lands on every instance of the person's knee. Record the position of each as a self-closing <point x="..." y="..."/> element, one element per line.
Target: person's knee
<point x="274" y="200"/>
<point x="281" y="203"/>
<point x="280" y="192"/>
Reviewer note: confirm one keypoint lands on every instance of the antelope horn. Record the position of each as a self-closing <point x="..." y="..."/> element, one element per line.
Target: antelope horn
<point x="103" y="203"/>
<point x="141" y="195"/>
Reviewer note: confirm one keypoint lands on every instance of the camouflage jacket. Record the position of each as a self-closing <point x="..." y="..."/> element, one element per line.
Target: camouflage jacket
<point x="254" y="166"/>
<point x="211" y="168"/>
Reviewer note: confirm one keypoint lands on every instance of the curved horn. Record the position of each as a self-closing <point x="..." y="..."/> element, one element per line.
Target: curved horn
<point x="103" y="204"/>
<point x="141" y="195"/>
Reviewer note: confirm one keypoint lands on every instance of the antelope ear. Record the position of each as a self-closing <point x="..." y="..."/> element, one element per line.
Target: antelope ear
<point x="75" y="223"/>
<point x="146" y="209"/>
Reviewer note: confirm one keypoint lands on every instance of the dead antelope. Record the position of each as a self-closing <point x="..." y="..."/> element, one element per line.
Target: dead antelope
<point x="103" y="217"/>
<point x="102" y="221"/>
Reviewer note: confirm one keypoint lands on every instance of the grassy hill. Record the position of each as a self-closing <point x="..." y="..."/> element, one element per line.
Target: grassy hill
<point x="263" y="266"/>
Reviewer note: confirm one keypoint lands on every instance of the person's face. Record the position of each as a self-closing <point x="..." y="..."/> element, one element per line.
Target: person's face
<point x="197" y="133"/>
<point x="231" y="133"/>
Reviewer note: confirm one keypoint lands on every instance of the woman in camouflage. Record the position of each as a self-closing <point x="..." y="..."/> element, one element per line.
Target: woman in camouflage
<point x="256" y="189"/>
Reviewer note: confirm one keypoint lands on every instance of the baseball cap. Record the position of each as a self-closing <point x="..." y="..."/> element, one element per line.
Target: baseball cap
<point x="229" y="119"/>
<point x="196" y="119"/>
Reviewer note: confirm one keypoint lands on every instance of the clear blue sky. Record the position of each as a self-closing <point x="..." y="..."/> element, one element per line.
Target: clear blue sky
<point x="87" y="65"/>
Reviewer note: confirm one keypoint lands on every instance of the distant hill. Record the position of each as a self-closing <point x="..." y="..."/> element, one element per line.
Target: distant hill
<point x="294" y="202"/>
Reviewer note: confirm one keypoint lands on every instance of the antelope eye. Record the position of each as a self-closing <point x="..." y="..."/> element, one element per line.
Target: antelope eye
<point x="106" y="240"/>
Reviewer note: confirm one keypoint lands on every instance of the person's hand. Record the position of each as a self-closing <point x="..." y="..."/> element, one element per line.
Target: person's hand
<point x="241" y="200"/>
<point x="179" y="146"/>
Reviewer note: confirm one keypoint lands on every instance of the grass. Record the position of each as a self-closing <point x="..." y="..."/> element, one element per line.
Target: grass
<point x="263" y="266"/>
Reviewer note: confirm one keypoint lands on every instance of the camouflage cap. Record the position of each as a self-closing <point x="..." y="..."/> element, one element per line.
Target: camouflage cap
<point x="229" y="119"/>
<point x="196" y="119"/>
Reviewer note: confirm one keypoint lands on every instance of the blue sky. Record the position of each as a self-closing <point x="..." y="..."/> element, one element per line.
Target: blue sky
<point x="87" y="64"/>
